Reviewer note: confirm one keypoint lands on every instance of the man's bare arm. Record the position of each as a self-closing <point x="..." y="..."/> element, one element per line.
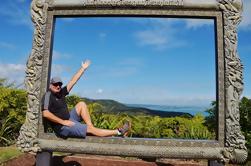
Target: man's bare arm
<point x="50" y="116"/>
<point x="79" y="73"/>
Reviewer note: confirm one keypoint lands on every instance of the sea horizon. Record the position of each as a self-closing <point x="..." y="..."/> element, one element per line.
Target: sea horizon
<point x="193" y="110"/>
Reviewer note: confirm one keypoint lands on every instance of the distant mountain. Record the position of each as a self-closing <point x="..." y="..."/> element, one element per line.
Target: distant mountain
<point x="114" y="107"/>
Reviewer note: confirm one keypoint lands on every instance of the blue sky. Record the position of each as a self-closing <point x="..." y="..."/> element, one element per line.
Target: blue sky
<point x="134" y="60"/>
<point x="138" y="60"/>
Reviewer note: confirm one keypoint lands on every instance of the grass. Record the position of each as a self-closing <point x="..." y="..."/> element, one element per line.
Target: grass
<point x="7" y="153"/>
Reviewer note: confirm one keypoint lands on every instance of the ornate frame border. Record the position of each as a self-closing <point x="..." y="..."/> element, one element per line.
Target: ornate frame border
<point x="230" y="143"/>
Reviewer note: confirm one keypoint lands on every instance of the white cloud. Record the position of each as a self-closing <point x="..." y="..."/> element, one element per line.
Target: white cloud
<point x="99" y="91"/>
<point x="58" y="70"/>
<point x="13" y="72"/>
<point x="67" y="19"/>
<point x="160" y="34"/>
<point x="152" y="37"/>
<point x="7" y="45"/>
<point x="198" y="23"/>
<point x="160" y="96"/>
<point x="150" y="95"/>
<point x="16" y="13"/>
<point x="58" y="55"/>
<point x="246" y="19"/>
<point x="164" y="33"/>
<point x="244" y="25"/>
<point x="119" y="72"/>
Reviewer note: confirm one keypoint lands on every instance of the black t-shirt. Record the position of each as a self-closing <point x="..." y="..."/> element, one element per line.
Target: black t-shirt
<point x="56" y="104"/>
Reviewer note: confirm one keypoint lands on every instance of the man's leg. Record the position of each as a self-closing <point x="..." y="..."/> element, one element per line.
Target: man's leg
<point x="101" y="132"/>
<point x="82" y="111"/>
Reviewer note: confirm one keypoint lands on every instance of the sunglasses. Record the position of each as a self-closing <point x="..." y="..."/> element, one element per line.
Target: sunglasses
<point x="57" y="84"/>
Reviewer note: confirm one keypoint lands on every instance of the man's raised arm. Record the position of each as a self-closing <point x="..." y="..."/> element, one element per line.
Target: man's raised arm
<point x="79" y="73"/>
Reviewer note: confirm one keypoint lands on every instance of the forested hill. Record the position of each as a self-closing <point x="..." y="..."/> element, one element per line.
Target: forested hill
<point x="114" y="107"/>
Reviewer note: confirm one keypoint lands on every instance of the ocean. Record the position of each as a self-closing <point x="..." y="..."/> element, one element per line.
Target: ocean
<point x="188" y="109"/>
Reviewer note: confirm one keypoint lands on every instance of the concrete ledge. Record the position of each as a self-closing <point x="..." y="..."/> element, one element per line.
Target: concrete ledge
<point x="212" y="153"/>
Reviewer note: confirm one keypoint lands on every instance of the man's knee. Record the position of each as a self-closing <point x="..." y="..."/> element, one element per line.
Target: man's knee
<point x="81" y="105"/>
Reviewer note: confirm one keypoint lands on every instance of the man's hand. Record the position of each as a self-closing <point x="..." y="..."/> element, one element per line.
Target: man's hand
<point x="86" y="64"/>
<point x="68" y="123"/>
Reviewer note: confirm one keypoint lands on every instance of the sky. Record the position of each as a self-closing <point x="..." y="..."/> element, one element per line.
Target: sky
<point x="134" y="60"/>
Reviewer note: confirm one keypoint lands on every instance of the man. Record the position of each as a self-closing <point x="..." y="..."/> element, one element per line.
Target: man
<point x="65" y="123"/>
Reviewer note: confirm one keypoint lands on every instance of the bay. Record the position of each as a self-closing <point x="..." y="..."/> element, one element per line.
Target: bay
<point x="193" y="110"/>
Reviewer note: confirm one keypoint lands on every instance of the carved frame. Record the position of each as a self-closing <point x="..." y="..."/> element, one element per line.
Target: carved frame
<point x="230" y="143"/>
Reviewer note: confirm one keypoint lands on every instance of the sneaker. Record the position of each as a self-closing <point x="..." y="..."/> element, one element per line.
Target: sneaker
<point x="125" y="129"/>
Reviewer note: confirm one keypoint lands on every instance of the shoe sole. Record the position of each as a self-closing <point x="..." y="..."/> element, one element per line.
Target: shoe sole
<point x="129" y="129"/>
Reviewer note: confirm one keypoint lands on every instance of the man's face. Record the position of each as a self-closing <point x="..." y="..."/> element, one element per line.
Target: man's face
<point x="55" y="87"/>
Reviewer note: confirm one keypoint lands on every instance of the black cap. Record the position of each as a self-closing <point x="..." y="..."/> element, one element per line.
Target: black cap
<point x="56" y="80"/>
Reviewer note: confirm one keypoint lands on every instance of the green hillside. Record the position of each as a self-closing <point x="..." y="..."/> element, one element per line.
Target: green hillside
<point x="114" y="107"/>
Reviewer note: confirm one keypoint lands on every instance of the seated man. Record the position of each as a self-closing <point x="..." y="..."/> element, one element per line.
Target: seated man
<point x="65" y="123"/>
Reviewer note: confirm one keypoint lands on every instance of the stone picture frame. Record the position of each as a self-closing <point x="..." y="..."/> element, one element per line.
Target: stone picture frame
<point x="229" y="145"/>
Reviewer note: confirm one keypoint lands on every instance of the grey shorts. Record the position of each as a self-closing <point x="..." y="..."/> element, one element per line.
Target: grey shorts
<point x="77" y="130"/>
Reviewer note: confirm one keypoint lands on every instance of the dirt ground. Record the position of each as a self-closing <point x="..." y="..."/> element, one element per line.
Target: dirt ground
<point x="91" y="160"/>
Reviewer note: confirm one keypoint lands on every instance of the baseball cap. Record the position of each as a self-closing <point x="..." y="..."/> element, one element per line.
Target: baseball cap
<point x="56" y="80"/>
